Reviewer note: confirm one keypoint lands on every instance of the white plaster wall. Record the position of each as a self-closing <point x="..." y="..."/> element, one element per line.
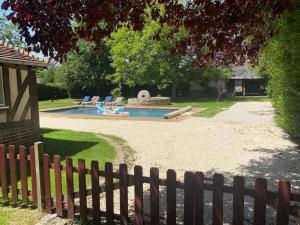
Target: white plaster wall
<point x="3" y="117"/>
<point x="13" y="85"/>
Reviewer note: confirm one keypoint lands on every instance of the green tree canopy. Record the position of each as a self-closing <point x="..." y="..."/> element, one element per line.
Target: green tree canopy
<point x="143" y="57"/>
<point x="10" y="33"/>
<point x="85" y="68"/>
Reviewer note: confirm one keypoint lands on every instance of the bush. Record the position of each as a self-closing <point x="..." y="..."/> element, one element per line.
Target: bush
<point x="48" y="92"/>
<point x="281" y="59"/>
<point x="117" y="92"/>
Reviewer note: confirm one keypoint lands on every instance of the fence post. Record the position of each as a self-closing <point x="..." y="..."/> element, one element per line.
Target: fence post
<point x="39" y="151"/>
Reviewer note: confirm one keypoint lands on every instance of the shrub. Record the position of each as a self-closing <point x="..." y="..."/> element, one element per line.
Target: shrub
<point x="48" y="92"/>
<point x="281" y="59"/>
<point x="116" y="92"/>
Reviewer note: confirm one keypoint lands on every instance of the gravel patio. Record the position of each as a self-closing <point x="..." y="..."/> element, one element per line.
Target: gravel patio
<point x="242" y="140"/>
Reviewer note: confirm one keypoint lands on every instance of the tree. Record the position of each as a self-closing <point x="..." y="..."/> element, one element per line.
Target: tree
<point x="10" y="33"/>
<point x="84" y="69"/>
<point x="143" y="57"/>
<point x="230" y="30"/>
<point x="218" y="74"/>
<point x="48" y="74"/>
<point x="280" y="60"/>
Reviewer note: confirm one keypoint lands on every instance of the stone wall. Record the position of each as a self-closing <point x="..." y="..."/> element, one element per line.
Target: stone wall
<point x="19" y="136"/>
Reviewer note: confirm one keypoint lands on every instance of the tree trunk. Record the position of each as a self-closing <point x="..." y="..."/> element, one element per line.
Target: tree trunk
<point x="69" y="93"/>
<point x="173" y="91"/>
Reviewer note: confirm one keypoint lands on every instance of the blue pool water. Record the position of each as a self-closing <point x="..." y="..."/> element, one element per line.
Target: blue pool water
<point x="133" y="112"/>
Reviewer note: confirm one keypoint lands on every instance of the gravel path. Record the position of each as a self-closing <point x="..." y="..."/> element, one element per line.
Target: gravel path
<point x="243" y="140"/>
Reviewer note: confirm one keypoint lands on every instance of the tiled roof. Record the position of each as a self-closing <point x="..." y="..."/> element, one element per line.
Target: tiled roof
<point x="10" y="54"/>
<point x="241" y="72"/>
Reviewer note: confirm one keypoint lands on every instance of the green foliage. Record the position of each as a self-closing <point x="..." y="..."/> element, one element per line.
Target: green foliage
<point x="47" y="92"/>
<point x="281" y="60"/>
<point x="10" y="33"/>
<point x="48" y="74"/>
<point x="217" y="74"/>
<point x="86" y="68"/>
<point x="116" y="92"/>
<point x="142" y="57"/>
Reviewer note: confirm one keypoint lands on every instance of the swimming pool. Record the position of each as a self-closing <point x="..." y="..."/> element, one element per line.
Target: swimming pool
<point x="133" y="112"/>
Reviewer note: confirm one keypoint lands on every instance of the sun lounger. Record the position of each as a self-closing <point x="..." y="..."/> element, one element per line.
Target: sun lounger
<point x="107" y="100"/>
<point x="94" y="101"/>
<point x="85" y="100"/>
<point x="117" y="102"/>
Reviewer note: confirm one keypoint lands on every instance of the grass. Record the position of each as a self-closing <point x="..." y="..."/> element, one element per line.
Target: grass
<point x="213" y="107"/>
<point x="56" y="103"/>
<point x="16" y="216"/>
<point x="77" y="145"/>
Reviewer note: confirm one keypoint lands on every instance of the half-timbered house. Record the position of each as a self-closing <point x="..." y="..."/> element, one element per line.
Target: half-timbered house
<point x="19" y="117"/>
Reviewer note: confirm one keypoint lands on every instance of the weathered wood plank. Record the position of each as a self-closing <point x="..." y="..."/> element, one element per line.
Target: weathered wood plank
<point x="171" y="197"/>
<point x="218" y="182"/>
<point x="238" y="200"/>
<point x="82" y="191"/>
<point x="58" y="185"/>
<point x="23" y="173"/>
<point x="138" y="193"/>
<point x="70" y="188"/>
<point x="95" y="192"/>
<point x="154" y="196"/>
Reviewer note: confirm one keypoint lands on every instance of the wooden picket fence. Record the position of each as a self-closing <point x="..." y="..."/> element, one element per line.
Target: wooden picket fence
<point x="193" y="186"/>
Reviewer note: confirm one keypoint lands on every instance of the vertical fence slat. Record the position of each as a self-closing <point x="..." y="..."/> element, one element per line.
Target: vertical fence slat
<point x="189" y="198"/>
<point x="95" y="192"/>
<point x="23" y="173"/>
<point x="33" y="175"/>
<point x="109" y="193"/>
<point x="284" y="192"/>
<point x="70" y="187"/>
<point x="124" y="194"/>
<point x="47" y="184"/>
<point x="199" y="198"/>
<point x="217" y="214"/>
<point x="154" y="196"/>
<point x="3" y="175"/>
<point x="260" y="201"/>
<point x="58" y="186"/>
<point x="13" y="172"/>
<point x="238" y="200"/>
<point x="138" y="192"/>
<point x="82" y="191"/>
<point x="171" y="197"/>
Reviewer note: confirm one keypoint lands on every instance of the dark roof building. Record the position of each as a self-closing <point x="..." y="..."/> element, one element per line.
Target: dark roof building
<point x="245" y="82"/>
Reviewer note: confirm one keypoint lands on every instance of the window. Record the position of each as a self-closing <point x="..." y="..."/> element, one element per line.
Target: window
<point x="1" y="89"/>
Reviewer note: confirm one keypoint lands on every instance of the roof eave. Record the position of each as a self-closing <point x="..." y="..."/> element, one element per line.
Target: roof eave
<point x="24" y="62"/>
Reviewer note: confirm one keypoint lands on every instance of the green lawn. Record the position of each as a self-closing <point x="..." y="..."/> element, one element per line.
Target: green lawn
<point x="213" y="107"/>
<point x="77" y="145"/>
<point x="15" y="216"/>
<point x="57" y="103"/>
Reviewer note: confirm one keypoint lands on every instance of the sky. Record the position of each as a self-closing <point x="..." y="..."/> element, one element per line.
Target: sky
<point x="2" y="13"/>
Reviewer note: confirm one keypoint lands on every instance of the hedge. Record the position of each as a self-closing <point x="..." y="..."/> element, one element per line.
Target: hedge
<point x="48" y="92"/>
<point x="282" y="62"/>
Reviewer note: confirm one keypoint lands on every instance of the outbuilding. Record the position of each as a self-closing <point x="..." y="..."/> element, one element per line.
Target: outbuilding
<point x="19" y="115"/>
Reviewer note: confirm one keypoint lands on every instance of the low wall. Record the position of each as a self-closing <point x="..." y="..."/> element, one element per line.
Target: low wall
<point x="19" y="136"/>
<point x="150" y="101"/>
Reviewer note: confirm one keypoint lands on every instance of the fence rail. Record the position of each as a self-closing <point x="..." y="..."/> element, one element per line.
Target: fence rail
<point x="74" y="202"/>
